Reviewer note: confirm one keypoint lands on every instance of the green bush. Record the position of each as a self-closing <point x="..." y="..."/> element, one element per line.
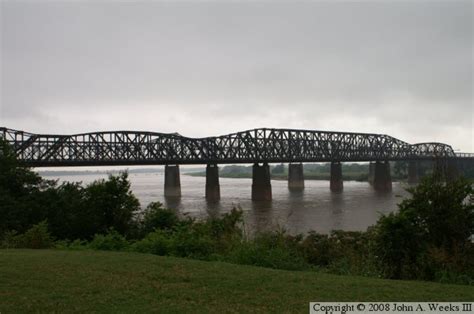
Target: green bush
<point x="71" y="245"/>
<point x="430" y="235"/>
<point x="192" y="241"/>
<point x="396" y="246"/>
<point x="157" y="217"/>
<point x="181" y="242"/>
<point x="37" y="237"/>
<point x="341" y="252"/>
<point x="188" y="237"/>
<point x="111" y="204"/>
<point x="112" y="241"/>
<point x="158" y="242"/>
<point x="10" y="240"/>
<point x="272" y="249"/>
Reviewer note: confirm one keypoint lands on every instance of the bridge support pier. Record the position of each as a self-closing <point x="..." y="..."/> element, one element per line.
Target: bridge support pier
<point x="382" y="177"/>
<point x="295" y="177"/>
<point x="336" y="183"/>
<point x="172" y="181"/>
<point x="261" y="186"/>
<point x="413" y="174"/>
<point x="371" y="173"/>
<point x="213" y="191"/>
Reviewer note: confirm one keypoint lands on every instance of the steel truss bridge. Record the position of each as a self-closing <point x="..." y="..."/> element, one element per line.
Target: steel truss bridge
<point x="257" y="145"/>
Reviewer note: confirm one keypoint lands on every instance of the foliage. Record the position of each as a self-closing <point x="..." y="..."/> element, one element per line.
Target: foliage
<point x="19" y="191"/>
<point x="273" y="249"/>
<point x="72" y="211"/>
<point x="111" y="203"/>
<point x="396" y="246"/>
<point x="111" y="241"/>
<point x="444" y="212"/>
<point x="71" y="245"/>
<point x="158" y="242"/>
<point x="341" y="252"/>
<point x="37" y="237"/>
<point x="190" y="238"/>
<point x="430" y="234"/>
<point x="157" y="217"/>
<point x="278" y="169"/>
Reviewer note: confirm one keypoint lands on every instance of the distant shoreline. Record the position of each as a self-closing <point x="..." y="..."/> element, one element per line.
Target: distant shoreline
<point x="323" y="177"/>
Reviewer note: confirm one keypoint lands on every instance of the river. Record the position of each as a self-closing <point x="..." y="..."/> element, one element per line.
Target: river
<point x="316" y="208"/>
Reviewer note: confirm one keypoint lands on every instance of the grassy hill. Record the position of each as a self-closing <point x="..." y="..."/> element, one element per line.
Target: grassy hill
<point x="84" y="281"/>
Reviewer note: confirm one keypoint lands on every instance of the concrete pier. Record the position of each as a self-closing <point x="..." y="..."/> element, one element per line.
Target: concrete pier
<point x="413" y="174"/>
<point x="213" y="190"/>
<point x="371" y="173"/>
<point x="295" y="176"/>
<point x="336" y="184"/>
<point x="172" y="181"/>
<point x="382" y="177"/>
<point x="261" y="186"/>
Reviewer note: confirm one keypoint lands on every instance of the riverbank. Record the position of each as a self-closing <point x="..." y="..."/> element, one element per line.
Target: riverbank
<point x="88" y="281"/>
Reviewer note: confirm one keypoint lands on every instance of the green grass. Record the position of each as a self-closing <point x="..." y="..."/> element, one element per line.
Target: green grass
<point x="85" y="281"/>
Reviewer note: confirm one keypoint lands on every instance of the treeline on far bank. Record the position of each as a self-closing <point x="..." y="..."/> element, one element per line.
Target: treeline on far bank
<point x="322" y="171"/>
<point x="429" y="238"/>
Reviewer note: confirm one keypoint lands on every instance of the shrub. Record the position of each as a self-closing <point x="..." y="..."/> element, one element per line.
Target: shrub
<point x="191" y="241"/>
<point x="37" y="237"/>
<point x="112" y="241"/>
<point x="317" y="249"/>
<point x="111" y="204"/>
<point x="157" y="217"/>
<point x="157" y="242"/>
<point x="397" y="245"/>
<point x="430" y="235"/>
<point x="71" y="245"/>
<point x="226" y="226"/>
<point x="272" y="249"/>
<point x="341" y="252"/>
<point x="10" y="240"/>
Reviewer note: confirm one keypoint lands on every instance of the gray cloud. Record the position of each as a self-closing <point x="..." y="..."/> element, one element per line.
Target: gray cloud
<point x="208" y="68"/>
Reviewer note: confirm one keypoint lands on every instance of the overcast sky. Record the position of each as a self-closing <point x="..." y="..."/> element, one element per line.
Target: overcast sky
<point x="210" y="68"/>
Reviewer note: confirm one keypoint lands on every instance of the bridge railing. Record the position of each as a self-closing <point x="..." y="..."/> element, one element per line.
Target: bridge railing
<point x="464" y="155"/>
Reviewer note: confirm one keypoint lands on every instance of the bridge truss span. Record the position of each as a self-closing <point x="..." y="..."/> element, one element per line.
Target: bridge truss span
<point x="257" y="145"/>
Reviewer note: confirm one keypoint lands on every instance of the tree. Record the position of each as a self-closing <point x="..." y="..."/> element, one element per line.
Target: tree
<point x="72" y="211"/>
<point x="444" y="211"/>
<point x="19" y="191"/>
<point x="111" y="203"/>
<point x="439" y="217"/>
<point x="278" y="169"/>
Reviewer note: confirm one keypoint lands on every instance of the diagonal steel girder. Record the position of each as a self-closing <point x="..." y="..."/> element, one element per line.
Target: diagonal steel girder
<point x="256" y="145"/>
